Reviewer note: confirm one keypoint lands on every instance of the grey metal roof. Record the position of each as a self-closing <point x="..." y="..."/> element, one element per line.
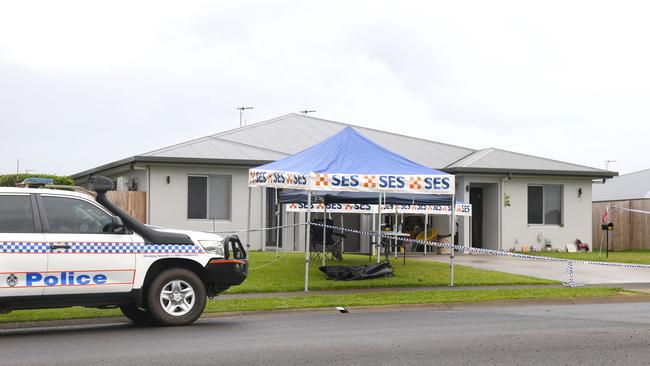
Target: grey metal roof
<point x="293" y="133"/>
<point x="212" y="147"/>
<point x="626" y="187"/>
<point x="497" y="160"/>
<point x="286" y="135"/>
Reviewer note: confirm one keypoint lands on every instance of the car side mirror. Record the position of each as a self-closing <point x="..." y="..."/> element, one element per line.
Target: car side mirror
<point x="118" y="225"/>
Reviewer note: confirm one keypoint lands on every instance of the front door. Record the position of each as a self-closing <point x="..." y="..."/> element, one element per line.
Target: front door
<point x="87" y="256"/>
<point x="476" y="199"/>
<point x="23" y="251"/>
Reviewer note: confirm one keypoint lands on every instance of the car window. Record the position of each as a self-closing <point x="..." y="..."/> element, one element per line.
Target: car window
<point x="16" y="215"/>
<point x="71" y="215"/>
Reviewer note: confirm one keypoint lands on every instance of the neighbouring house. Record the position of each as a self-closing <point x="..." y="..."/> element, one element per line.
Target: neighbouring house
<point x="628" y="200"/>
<point x="518" y="200"/>
<point x="632" y="186"/>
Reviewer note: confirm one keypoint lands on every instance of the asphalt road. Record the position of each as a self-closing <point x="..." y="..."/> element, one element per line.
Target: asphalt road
<point x="476" y="335"/>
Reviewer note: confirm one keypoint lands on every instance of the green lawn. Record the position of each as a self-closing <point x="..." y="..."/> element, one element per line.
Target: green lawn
<point x="288" y="274"/>
<point x="628" y="256"/>
<point x="318" y="301"/>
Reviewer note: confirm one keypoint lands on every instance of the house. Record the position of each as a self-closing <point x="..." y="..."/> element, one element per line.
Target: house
<point x="518" y="200"/>
<point x="632" y="186"/>
<point x="627" y="200"/>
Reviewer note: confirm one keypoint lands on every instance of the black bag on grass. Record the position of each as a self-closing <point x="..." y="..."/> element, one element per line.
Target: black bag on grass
<point x="348" y="273"/>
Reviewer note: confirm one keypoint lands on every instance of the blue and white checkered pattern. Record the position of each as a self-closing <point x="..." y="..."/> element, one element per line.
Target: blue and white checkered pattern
<point x="98" y="248"/>
<point x="24" y="247"/>
<point x="171" y="249"/>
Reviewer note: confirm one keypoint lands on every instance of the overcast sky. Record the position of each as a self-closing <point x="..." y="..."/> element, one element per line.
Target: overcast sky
<point x="84" y="83"/>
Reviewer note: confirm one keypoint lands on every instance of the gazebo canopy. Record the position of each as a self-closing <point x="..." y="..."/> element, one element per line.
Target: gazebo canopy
<point x="348" y="161"/>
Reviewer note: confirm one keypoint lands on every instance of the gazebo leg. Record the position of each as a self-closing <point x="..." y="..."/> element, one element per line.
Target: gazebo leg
<point x="307" y="241"/>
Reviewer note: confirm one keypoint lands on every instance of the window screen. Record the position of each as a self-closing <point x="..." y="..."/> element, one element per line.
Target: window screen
<point x="545" y="205"/>
<point x="535" y="204"/>
<point x="71" y="215"/>
<point x="197" y="197"/>
<point x="16" y="214"/>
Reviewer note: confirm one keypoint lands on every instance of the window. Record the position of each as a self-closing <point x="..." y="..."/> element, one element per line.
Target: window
<point x="197" y="197"/>
<point x="271" y="218"/>
<point x="16" y="215"/>
<point x="209" y="197"/>
<point x="545" y="205"/>
<point x="71" y="215"/>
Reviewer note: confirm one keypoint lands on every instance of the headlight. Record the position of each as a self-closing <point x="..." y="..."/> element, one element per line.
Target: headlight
<point x="212" y="246"/>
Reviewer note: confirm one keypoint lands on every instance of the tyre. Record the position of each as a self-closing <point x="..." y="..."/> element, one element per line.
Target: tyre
<point x="176" y="297"/>
<point x="137" y="315"/>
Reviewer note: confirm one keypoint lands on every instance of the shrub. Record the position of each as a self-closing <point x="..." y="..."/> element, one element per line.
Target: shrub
<point x="9" y="180"/>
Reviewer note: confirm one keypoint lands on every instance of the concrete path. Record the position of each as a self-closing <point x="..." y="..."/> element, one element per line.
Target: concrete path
<point x="582" y="273"/>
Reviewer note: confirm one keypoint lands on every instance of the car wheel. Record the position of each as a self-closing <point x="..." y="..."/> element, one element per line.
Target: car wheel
<point x="176" y="297"/>
<point x="137" y="315"/>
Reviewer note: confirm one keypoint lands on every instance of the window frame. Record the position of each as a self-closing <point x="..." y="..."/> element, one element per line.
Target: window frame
<point x="36" y="215"/>
<point x="208" y="197"/>
<point x="46" y="225"/>
<point x="561" y="224"/>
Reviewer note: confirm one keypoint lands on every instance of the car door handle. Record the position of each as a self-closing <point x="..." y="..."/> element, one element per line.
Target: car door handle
<point x="55" y="246"/>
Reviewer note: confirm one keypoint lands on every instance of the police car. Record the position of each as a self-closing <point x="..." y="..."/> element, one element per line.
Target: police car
<point x="61" y="248"/>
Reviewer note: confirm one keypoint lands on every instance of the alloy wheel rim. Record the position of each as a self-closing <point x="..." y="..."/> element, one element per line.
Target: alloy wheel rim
<point x="177" y="298"/>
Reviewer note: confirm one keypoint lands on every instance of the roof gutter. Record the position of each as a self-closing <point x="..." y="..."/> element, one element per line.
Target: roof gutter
<point x="601" y="174"/>
<point x="162" y="159"/>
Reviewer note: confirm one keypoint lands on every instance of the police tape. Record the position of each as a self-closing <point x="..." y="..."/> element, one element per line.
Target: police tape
<point x="568" y="280"/>
<point x="631" y="210"/>
<point x="259" y="229"/>
<point x="268" y="264"/>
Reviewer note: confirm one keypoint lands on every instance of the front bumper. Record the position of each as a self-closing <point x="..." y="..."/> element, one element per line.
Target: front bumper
<point x="227" y="272"/>
<point x="221" y="273"/>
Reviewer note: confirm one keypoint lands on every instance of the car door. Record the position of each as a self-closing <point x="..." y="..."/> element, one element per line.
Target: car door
<point x="23" y="251"/>
<point x="87" y="255"/>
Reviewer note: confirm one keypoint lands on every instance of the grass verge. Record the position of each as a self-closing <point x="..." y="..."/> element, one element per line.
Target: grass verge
<point x="288" y="274"/>
<point x="628" y="256"/>
<point x="319" y="301"/>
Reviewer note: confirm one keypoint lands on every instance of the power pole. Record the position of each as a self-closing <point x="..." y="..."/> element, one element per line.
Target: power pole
<point x="242" y="123"/>
<point x="607" y="163"/>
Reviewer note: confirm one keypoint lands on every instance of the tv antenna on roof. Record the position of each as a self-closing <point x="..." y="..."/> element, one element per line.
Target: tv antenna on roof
<point x="607" y="163"/>
<point x="305" y="111"/>
<point x="242" y="123"/>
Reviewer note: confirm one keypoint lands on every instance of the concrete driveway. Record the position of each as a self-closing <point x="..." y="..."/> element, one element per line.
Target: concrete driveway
<point x="583" y="274"/>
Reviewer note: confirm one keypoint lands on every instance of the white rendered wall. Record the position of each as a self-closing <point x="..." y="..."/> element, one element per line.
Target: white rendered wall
<point x="168" y="201"/>
<point x="576" y="214"/>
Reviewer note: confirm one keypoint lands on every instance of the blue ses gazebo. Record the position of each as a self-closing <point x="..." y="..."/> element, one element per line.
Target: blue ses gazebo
<point x="350" y="162"/>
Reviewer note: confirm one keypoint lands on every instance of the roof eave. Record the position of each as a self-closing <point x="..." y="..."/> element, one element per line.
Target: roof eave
<point x="572" y="173"/>
<point x="165" y="159"/>
<point x="103" y="167"/>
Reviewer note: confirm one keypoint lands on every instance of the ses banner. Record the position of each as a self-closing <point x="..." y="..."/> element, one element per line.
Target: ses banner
<point x="430" y="184"/>
<point x="462" y="209"/>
